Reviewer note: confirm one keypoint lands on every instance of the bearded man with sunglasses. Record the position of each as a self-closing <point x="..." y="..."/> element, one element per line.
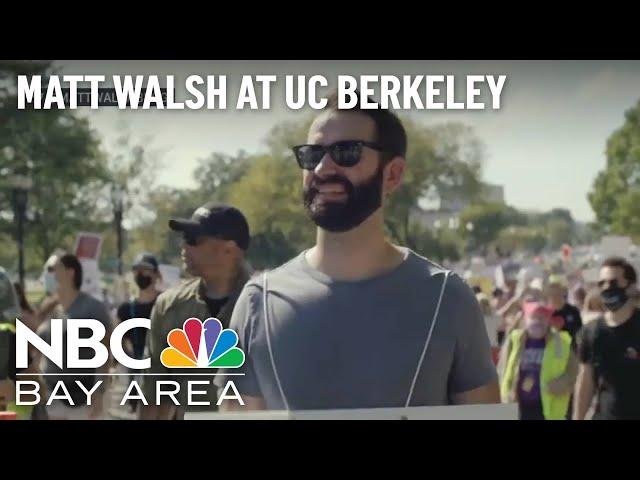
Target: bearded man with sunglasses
<point x="355" y="321"/>
<point x="215" y="240"/>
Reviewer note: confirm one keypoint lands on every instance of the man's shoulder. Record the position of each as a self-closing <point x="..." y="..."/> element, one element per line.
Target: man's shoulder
<point x="181" y="293"/>
<point x="426" y="265"/>
<point x="589" y="330"/>
<point x="427" y="268"/>
<point x="89" y="301"/>
<point x="571" y="309"/>
<point x="288" y="272"/>
<point x="123" y="309"/>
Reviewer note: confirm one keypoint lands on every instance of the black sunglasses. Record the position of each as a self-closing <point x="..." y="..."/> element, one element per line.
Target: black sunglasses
<point x="345" y="153"/>
<point x="191" y="239"/>
<point x="195" y="240"/>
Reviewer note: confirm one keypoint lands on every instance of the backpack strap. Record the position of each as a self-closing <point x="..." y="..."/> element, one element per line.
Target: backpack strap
<point x="268" y="335"/>
<point x="428" y="340"/>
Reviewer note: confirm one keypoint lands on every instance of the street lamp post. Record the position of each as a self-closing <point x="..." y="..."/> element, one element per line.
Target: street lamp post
<point x="20" y="185"/>
<point x="117" y="197"/>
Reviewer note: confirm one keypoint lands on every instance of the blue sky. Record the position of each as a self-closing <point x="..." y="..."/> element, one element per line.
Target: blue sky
<point x="545" y="145"/>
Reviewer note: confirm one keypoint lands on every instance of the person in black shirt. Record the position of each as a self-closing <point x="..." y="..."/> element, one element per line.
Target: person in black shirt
<point x="609" y="349"/>
<point x="571" y="321"/>
<point x="146" y="275"/>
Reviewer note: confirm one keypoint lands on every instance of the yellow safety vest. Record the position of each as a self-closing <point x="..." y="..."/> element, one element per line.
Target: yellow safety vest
<point x="7" y="327"/>
<point x="23" y="411"/>
<point x="555" y="360"/>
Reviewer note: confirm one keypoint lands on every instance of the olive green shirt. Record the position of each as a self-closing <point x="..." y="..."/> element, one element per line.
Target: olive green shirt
<point x="170" y="311"/>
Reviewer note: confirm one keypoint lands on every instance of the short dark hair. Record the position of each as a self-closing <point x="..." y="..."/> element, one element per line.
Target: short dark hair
<point x="627" y="269"/>
<point x="390" y="133"/>
<point x="70" y="261"/>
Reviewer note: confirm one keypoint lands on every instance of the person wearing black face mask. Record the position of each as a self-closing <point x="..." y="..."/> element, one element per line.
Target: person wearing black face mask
<point x="146" y="275"/>
<point x="609" y="349"/>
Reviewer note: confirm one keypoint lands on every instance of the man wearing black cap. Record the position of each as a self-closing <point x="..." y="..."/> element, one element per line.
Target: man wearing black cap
<point x="146" y="275"/>
<point x="214" y="243"/>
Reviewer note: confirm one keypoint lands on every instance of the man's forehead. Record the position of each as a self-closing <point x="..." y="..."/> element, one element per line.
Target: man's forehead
<point x="610" y="272"/>
<point x="333" y="126"/>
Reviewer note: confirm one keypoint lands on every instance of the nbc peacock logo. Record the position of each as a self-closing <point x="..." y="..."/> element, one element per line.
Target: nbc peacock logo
<point x="202" y="345"/>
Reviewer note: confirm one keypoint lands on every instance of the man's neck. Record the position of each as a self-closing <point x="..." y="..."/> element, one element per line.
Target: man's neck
<point x="67" y="296"/>
<point x="360" y="253"/>
<point x="617" y="318"/>
<point x="219" y="286"/>
<point x="148" y="295"/>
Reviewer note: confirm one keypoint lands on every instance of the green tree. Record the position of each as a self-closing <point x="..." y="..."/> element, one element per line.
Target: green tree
<point x="481" y="223"/>
<point x="615" y="189"/>
<point x="626" y="218"/>
<point x="59" y="152"/>
<point x="439" y="245"/>
<point x="559" y="232"/>
<point x="521" y="238"/>
<point x="154" y="235"/>
<point x="216" y="173"/>
<point x="270" y="196"/>
<point x="133" y="165"/>
<point x="445" y="158"/>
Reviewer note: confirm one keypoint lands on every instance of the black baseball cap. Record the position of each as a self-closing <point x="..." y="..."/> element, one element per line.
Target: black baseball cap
<point x="146" y="259"/>
<point x="215" y="220"/>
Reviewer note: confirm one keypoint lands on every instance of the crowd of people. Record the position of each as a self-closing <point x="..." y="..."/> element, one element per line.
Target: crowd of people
<point x="565" y="352"/>
<point x="354" y="321"/>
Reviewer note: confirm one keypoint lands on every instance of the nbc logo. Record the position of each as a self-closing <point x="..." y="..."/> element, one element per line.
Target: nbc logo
<point x="202" y="345"/>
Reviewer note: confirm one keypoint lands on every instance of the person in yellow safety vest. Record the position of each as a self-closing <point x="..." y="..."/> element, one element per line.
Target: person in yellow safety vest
<point x="9" y="311"/>
<point x="537" y="366"/>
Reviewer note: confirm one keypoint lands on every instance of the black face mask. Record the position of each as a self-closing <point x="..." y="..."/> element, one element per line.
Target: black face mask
<point x="361" y="202"/>
<point x="142" y="281"/>
<point x="614" y="298"/>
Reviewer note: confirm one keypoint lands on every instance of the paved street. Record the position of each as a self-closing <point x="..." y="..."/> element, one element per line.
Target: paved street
<point x="117" y="389"/>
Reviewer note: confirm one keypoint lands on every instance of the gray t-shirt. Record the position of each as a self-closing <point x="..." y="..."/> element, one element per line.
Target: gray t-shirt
<point x="357" y="344"/>
<point x="83" y="307"/>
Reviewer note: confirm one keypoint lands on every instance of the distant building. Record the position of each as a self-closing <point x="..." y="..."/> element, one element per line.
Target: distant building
<point x="444" y="212"/>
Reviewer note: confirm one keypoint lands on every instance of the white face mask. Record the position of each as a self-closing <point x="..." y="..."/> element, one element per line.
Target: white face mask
<point x="536" y="330"/>
<point x="50" y="282"/>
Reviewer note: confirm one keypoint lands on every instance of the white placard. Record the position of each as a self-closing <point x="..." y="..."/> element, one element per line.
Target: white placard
<point x="590" y="275"/>
<point x="170" y="276"/>
<point x="615" y="245"/>
<point x="88" y="245"/>
<point x="91" y="278"/>
<point x="478" y="266"/>
<point x="507" y="411"/>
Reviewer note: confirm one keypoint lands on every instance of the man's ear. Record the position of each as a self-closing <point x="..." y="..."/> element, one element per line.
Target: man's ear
<point x="393" y="175"/>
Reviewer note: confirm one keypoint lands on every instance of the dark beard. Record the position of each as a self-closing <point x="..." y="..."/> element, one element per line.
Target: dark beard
<point x="361" y="202"/>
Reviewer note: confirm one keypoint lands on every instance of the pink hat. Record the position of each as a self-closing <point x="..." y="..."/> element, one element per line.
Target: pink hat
<point x="530" y="308"/>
